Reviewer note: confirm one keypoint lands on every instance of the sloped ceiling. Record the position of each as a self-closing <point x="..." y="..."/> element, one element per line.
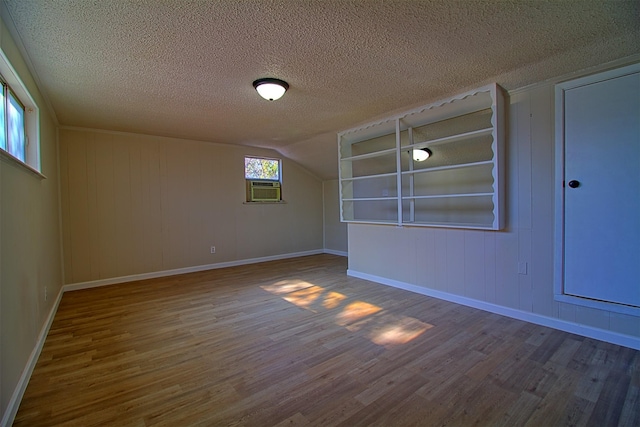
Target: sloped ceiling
<point x="184" y="68"/>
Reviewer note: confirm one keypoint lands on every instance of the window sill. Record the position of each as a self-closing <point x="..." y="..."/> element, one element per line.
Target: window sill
<point x="280" y="202"/>
<point x="14" y="160"/>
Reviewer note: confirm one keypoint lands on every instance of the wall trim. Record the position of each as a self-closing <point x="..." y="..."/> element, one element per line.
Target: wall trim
<point x="562" y="325"/>
<point x="338" y="253"/>
<point x="616" y="63"/>
<point x="185" y="270"/>
<point x="18" y="393"/>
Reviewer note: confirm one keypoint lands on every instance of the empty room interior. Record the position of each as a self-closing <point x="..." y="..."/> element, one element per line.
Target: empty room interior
<point x="332" y="212"/>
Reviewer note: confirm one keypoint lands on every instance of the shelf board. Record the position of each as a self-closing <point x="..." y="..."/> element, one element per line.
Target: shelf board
<point x="446" y="196"/>
<point x="474" y="226"/>
<point x="370" y="155"/>
<point x="371" y="199"/>
<point x="381" y="175"/>
<point x="448" y="167"/>
<point x="370" y="221"/>
<point x="449" y="139"/>
<point x="445" y="140"/>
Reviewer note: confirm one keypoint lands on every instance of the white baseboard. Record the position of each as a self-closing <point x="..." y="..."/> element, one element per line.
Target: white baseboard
<point x="563" y="325"/>
<point x="165" y="273"/>
<point x="16" y="397"/>
<point x="338" y="253"/>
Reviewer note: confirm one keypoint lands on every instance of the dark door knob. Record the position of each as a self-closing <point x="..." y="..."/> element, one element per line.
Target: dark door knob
<point x="574" y="184"/>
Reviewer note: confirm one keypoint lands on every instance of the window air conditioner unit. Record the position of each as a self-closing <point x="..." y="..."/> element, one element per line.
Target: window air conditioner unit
<point x="264" y="191"/>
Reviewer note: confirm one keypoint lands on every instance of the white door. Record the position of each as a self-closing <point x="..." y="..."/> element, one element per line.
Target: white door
<point x="602" y="190"/>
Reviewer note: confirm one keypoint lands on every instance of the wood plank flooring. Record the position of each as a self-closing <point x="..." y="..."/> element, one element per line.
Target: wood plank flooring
<point x="297" y="342"/>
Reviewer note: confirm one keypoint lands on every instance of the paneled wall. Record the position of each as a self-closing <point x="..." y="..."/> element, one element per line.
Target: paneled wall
<point x="135" y="204"/>
<point x="512" y="268"/>
<point x="30" y="255"/>
<point x="335" y="232"/>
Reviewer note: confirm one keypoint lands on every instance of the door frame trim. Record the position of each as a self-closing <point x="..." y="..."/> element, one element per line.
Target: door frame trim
<point x="558" y="282"/>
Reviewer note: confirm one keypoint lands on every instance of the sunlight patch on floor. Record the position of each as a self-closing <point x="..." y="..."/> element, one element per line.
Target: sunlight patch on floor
<point x="304" y="297"/>
<point x="304" y="294"/>
<point x="333" y="300"/>
<point x="400" y="330"/>
<point x="356" y="311"/>
<point x="286" y="286"/>
<point x="381" y="328"/>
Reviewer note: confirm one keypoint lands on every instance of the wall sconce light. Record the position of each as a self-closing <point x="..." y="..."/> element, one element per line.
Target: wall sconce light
<point x="421" y="154"/>
<point x="271" y="89"/>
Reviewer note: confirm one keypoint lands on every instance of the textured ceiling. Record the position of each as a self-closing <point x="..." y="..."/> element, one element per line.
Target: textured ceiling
<point x="184" y="68"/>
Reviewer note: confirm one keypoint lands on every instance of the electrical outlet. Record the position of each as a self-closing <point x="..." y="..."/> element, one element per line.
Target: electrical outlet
<point x="522" y="268"/>
<point x="45" y="293"/>
<point x="213" y="249"/>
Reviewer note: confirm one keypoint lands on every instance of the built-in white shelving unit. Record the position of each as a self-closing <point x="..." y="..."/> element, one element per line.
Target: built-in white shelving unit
<point x="459" y="186"/>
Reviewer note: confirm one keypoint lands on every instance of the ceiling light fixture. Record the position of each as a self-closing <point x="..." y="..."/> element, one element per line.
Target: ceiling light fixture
<point x="271" y="89"/>
<point x="421" y="154"/>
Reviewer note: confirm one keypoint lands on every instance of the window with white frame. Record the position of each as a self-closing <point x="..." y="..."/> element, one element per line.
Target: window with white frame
<point x="263" y="177"/>
<point x="19" y="119"/>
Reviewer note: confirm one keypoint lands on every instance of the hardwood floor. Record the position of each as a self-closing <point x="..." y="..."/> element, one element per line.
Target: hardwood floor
<point x="297" y="342"/>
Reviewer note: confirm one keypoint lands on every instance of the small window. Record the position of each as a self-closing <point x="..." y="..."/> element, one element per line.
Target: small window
<point x="262" y="169"/>
<point x="263" y="179"/>
<point x="19" y="120"/>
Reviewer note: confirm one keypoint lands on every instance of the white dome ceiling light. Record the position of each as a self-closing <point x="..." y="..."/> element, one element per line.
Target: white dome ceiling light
<point x="271" y="89"/>
<point x="421" y="154"/>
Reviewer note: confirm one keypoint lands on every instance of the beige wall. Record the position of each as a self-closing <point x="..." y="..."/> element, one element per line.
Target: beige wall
<point x="29" y="243"/>
<point x="134" y="204"/>
<point x="483" y="265"/>
<point x="335" y="232"/>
